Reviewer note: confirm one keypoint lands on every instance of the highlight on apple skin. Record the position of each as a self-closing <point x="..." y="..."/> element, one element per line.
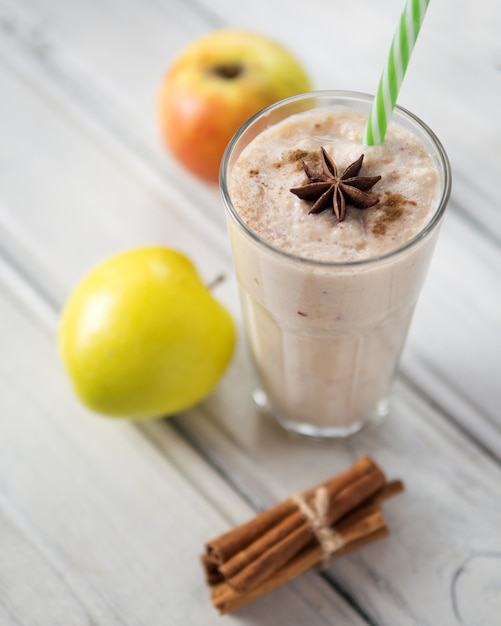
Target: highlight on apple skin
<point x="214" y="86"/>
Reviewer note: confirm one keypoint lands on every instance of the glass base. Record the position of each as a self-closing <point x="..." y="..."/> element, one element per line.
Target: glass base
<point x="308" y="429"/>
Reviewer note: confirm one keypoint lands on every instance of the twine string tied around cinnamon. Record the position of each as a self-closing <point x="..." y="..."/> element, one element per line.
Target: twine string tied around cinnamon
<point x="315" y="514"/>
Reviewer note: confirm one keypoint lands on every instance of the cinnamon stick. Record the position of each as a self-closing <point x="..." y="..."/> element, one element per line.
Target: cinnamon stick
<point x="226" y="598"/>
<point x="212" y="574"/>
<point x="224" y="547"/>
<point x="291" y="542"/>
<point x="281" y="543"/>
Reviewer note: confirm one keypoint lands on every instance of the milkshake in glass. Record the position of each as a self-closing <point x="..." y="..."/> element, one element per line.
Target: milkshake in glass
<point x="327" y="302"/>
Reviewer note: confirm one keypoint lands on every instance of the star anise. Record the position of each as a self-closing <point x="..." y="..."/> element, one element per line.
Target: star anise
<point x="326" y="188"/>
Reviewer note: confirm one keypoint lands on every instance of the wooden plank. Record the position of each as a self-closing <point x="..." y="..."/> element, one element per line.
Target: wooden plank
<point x="90" y="89"/>
<point x="454" y="347"/>
<point x="151" y="211"/>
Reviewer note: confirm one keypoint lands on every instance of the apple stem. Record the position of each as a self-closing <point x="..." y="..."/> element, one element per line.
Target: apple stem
<point x="228" y="70"/>
<point x="216" y="281"/>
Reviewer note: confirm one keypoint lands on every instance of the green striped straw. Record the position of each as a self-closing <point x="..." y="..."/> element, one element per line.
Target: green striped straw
<point x="394" y="71"/>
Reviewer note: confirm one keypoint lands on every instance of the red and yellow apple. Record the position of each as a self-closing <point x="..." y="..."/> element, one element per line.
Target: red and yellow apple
<point x="214" y="86"/>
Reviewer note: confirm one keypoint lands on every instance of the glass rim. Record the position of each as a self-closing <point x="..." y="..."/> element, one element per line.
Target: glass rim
<point x="441" y="155"/>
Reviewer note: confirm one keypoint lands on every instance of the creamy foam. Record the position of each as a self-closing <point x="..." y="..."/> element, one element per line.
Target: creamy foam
<point x="272" y="164"/>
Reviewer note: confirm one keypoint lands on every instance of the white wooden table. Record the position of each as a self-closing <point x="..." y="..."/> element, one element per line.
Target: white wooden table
<point x="102" y="521"/>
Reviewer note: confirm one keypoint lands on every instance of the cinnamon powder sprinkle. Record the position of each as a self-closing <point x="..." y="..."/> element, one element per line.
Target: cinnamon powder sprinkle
<point x="391" y="209"/>
<point x="298" y="155"/>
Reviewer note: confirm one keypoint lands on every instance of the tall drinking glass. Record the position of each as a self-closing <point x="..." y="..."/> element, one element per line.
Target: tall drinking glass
<point x="326" y="337"/>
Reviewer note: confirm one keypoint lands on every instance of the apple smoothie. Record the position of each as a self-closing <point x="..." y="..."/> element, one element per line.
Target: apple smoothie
<point x="330" y="272"/>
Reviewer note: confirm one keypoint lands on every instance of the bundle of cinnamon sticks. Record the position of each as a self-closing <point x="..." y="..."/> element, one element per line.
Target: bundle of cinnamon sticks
<point x="327" y="521"/>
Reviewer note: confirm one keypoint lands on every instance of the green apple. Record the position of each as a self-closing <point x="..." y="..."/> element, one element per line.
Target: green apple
<point x="141" y="336"/>
<point x="214" y="86"/>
